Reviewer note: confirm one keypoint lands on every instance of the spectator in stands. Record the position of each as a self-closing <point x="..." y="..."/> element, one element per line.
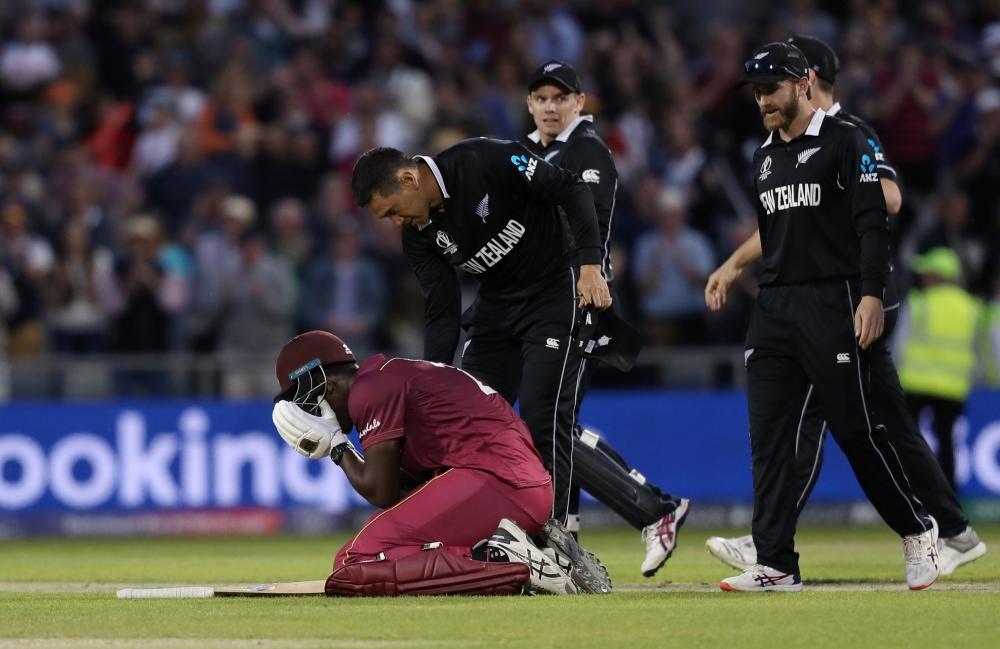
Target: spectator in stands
<point x="346" y="292"/>
<point x="75" y="319"/>
<point x="29" y="259"/>
<point x="216" y="259"/>
<point x="671" y="265"/>
<point x="27" y="61"/>
<point x="8" y="306"/>
<point x="141" y="322"/>
<point x="258" y="309"/>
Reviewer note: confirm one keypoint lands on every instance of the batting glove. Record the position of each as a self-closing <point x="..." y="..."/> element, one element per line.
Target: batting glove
<point x="309" y="435"/>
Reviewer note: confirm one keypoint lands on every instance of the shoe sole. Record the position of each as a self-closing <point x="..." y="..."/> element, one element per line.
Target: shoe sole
<point x="793" y="588"/>
<point x="964" y="558"/>
<point x="680" y="524"/>
<point x="588" y="573"/>
<point x="571" y="587"/>
<point x="723" y="556"/>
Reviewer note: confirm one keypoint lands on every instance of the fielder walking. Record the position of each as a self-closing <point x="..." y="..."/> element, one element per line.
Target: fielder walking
<point x="567" y="138"/>
<point x="824" y="236"/>
<point x="958" y="543"/>
<point x="446" y="458"/>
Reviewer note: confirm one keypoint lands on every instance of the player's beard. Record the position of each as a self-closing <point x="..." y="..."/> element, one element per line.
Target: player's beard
<point x="783" y="117"/>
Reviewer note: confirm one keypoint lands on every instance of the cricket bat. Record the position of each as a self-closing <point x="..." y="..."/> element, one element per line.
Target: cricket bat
<point x="279" y="589"/>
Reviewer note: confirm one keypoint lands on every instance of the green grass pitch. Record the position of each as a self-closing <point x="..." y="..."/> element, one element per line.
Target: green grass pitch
<point x="60" y="593"/>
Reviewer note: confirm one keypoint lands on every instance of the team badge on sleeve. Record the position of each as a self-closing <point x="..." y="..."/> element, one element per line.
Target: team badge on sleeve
<point x="868" y="174"/>
<point x="765" y="169"/>
<point x="524" y="164"/>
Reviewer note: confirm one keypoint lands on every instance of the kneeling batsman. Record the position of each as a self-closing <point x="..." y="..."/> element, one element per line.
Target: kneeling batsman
<point x="445" y="458"/>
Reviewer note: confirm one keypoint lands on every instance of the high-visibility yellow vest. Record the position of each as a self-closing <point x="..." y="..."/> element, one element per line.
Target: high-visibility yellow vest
<point x="991" y="345"/>
<point x="938" y="357"/>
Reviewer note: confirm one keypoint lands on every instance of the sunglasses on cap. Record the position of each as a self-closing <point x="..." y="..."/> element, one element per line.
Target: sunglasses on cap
<point x="757" y="67"/>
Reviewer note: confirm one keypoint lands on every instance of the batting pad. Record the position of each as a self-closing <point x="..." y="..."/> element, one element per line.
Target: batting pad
<point x="279" y="589"/>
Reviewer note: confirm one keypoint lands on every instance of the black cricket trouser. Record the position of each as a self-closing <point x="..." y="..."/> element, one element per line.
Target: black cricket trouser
<point x="800" y="346"/>
<point x="944" y="413"/>
<point x="521" y="348"/>
<point x="891" y="409"/>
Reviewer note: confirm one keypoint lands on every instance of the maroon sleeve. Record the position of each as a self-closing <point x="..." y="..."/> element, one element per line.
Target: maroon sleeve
<point x="378" y="408"/>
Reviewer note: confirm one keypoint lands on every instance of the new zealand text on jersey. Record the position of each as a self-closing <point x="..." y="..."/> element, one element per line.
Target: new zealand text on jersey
<point x="789" y="196"/>
<point x="495" y="249"/>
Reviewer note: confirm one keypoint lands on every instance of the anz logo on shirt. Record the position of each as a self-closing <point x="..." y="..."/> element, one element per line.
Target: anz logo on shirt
<point x="868" y="173"/>
<point x="525" y="165"/>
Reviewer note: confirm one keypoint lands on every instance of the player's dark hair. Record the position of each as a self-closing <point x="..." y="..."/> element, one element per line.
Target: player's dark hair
<point x="375" y="173"/>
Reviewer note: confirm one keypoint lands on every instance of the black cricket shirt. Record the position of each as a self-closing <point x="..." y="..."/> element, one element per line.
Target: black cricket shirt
<point x="820" y="207"/>
<point x="499" y="223"/>
<point x="581" y="150"/>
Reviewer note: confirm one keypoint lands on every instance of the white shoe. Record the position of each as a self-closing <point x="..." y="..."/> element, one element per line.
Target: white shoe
<point x="956" y="551"/>
<point x="661" y="538"/>
<point x="545" y="575"/>
<point x="760" y="579"/>
<point x="920" y="555"/>
<point x="586" y="570"/>
<point x="737" y="551"/>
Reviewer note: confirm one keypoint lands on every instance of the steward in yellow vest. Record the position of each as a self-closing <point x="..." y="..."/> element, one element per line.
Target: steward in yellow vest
<point x="944" y="323"/>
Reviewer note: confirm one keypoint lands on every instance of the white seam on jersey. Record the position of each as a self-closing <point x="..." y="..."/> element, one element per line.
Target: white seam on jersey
<point x="555" y="409"/>
<point x="802" y="416"/>
<point x="890" y="308"/>
<point x="606" y="262"/>
<point x="885" y="166"/>
<point x="864" y="404"/>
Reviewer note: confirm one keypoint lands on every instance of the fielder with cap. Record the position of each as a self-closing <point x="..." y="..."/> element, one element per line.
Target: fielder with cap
<point x="449" y="463"/>
<point x="958" y="543"/>
<point x="566" y="137"/>
<point x="824" y="238"/>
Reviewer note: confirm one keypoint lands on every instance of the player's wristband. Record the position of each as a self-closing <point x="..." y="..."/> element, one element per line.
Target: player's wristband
<point x="337" y="452"/>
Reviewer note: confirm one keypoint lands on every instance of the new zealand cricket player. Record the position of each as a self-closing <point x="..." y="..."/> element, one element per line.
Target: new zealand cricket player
<point x="824" y="236"/>
<point x="958" y="543"/>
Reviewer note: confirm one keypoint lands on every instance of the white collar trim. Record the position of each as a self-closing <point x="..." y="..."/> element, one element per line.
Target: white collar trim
<point x="816" y="122"/>
<point x="434" y="170"/>
<point x="814" y="125"/>
<point x="536" y="136"/>
<point x="834" y="109"/>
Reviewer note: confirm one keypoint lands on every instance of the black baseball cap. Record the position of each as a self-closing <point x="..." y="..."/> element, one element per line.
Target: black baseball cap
<point x="557" y="73"/>
<point x="607" y="337"/>
<point x="820" y="56"/>
<point x="775" y="62"/>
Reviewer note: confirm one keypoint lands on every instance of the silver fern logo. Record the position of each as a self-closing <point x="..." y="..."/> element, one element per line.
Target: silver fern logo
<point x="483" y="209"/>
<point x="805" y="155"/>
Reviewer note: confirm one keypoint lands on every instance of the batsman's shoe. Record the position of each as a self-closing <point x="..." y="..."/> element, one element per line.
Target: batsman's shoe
<point x="920" y="555"/>
<point x="737" y="551"/>
<point x="587" y="571"/>
<point x="661" y="538"/>
<point x="956" y="551"/>
<point x="761" y="579"/>
<point x="546" y="576"/>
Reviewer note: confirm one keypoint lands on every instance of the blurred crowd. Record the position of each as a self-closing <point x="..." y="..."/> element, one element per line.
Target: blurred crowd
<point x="173" y="173"/>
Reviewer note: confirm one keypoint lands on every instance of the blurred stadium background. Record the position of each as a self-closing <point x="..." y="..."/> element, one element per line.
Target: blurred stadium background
<point x="174" y="206"/>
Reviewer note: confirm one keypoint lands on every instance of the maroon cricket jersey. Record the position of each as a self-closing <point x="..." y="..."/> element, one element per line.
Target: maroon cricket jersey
<point x="446" y="418"/>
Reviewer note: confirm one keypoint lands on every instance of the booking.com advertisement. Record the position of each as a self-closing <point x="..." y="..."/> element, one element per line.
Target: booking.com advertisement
<point x="215" y="468"/>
